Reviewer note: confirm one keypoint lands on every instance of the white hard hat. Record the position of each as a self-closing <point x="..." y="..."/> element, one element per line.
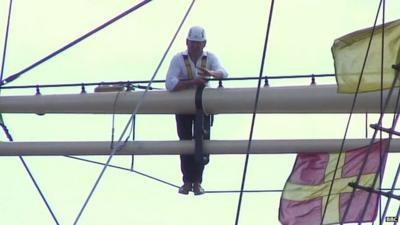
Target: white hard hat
<point x="196" y="33"/>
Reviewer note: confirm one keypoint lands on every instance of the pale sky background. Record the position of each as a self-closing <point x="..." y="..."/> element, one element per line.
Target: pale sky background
<point x="301" y="35"/>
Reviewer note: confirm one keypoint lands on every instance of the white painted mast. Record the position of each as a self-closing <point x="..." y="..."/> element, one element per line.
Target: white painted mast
<point x="179" y="147"/>
<point x="292" y="99"/>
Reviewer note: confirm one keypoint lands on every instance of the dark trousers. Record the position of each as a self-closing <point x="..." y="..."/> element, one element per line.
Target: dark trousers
<point x="192" y="170"/>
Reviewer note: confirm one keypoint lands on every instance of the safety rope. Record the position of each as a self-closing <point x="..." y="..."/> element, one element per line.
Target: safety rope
<point x="113" y="126"/>
<point x="123" y="168"/>
<point x="121" y="143"/>
<point x="254" y="112"/>
<point x="208" y="192"/>
<point x="74" y="42"/>
<point x="176" y="186"/>
<point x="349" y="118"/>
<point x="6" y="41"/>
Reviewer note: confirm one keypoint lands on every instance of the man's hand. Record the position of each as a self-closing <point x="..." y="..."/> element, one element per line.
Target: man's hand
<point x="211" y="73"/>
<point x="199" y="81"/>
<point x="185" y="84"/>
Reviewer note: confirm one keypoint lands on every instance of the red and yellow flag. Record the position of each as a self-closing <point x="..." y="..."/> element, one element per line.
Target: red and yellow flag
<point x="306" y="190"/>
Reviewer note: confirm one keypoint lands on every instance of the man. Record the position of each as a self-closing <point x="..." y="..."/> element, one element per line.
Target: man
<point x="188" y="70"/>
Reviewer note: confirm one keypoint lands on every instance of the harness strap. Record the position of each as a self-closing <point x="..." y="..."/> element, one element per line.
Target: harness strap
<point x="189" y="68"/>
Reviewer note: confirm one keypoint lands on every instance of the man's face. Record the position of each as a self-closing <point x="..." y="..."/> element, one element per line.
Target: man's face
<point x="195" y="47"/>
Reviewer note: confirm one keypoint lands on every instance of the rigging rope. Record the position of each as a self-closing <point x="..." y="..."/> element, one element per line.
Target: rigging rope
<point x="9" y="137"/>
<point x="390" y="192"/>
<point x="176" y="186"/>
<point x="381" y="157"/>
<point x="349" y="119"/>
<point x="6" y="41"/>
<point x="122" y="143"/>
<point x="270" y="77"/>
<point x="5" y="129"/>
<point x="394" y="122"/>
<point x="122" y="168"/>
<point x="372" y="140"/>
<point x="381" y="105"/>
<point x="252" y="126"/>
<point x="113" y="126"/>
<point x="254" y="111"/>
<point x="74" y="42"/>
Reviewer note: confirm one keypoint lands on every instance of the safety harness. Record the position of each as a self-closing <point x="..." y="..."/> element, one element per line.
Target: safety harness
<point x="199" y="129"/>
<point x="189" y="68"/>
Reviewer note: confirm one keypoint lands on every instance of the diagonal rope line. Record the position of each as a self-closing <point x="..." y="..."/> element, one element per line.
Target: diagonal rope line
<point x="381" y="161"/>
<point x="382" y="158"/>
<point x="372" y="139"/>
<point x="397" y="214"/>
<point x="394" y="121"/>
<point x="155" y="73"/>
<point x="254" y="112"/>
<point x="6" y="41"/>
<point x="123" y="168"/>
<point x="4" y="127"/>
<point x="176" y="186"/>
<point x="134" y="112"/>
<point x="350" y="116"/>
<point x="390" y="192"/>
<point x="381" y="108"/>
<point x="74" y="42"/>
<point x="369" y="148"/>
<point x="121" y="144"/>
<point x="6" y="131"/>
<point x="39" y="190"/>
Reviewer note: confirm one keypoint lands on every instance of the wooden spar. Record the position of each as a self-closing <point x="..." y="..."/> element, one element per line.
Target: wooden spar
<point x="290" y="99"/>
<point x="178" y="147"/>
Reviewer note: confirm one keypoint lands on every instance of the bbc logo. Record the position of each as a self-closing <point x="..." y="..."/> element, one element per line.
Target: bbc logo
<point x="392" y="219"/>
